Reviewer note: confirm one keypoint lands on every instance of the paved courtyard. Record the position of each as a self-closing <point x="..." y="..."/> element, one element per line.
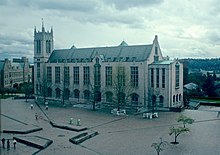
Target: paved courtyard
<point x="118" y="135"/>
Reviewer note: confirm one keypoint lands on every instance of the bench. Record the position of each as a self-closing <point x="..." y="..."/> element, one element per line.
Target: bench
<point x="150" y="115"/>
<point x="118" y="112"/>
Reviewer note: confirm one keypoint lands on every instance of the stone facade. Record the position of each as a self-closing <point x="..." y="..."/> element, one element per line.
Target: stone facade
<point x="14" y="72"/>
<point x="138" y="72"/>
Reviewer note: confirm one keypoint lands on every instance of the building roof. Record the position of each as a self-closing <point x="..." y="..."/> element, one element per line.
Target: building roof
<point x="164" y="62"/>
<point x="190" y="86"/>
<point x="16" y="65"/>
<point x="123" y="52"/>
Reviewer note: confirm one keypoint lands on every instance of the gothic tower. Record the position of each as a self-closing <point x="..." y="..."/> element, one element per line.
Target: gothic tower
<point x="43" y="47"/>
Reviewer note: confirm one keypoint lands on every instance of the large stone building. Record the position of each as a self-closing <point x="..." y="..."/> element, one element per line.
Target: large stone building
<point x="136" y="75"/>
<point x="14" y="72"/>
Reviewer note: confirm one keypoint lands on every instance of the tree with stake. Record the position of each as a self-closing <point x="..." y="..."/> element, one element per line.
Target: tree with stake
<point x="159" y="146"/>
<point x="177" y="131"/>
<point x="185" y="120"/>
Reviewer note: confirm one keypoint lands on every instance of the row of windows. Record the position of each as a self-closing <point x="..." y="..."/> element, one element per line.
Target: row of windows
<point x="17" y="74"/>
<point x="38" y="46"/>
<point x="97" y="76"/>
<point x="177" y="98"/>
<point x="157" y="77"/>
<point x="87" y="95"/>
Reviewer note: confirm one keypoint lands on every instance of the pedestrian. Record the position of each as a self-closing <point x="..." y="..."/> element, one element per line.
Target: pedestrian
<point x="8" y="144"/>
<point x="14" y="143"/>
<point x="218" y="113"/>
<point x="32" y="106"/>
<point x="3" y="142"/>
<point x="36" y="116"/>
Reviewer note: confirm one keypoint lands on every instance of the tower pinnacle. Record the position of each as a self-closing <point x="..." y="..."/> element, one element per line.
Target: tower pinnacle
<point x="43" y="30"/>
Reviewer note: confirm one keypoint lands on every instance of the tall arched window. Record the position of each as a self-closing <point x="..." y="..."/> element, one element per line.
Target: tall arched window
<point x="173" y="98"/>
<point x="57" y="92"/>
<point x="87" y="94"/>
<point x="177" y="67"/>
<point x="76" y="93"/>
<point x="134" y="98"/>
<point x="180" y="97"/>
<point x="161" y="98"/>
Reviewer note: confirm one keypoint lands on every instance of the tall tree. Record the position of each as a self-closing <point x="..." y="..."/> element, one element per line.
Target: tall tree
<point x="121" y="86"/>
<point x="27" y="89"/>
<point x="208" y="86"/>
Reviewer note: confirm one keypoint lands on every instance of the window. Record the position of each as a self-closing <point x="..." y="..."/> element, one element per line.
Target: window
<point x="163" y="77"/>
<point x="76" y="75"/>
<point x="66" y="75"/>
<point x="161" y="98"/>
<point x="57" y="93"/>
<point x="48" y="46"/>
<point x="76" y="93"/>
<point x="86" y="75"/>
<point x="157" y="78"/>
<point x="38" y="46"/>
<point x="177" y="67"/>
<point x="152" y="77"/>
<point x="97" y="96"/>
<point x="156" y="50"/>
<point x="134" y="98"/>
<point x="38" y="70"/>
<point x="87" y="94"/>
<point x="49" y="74"/>
<point x="97" y="73"/>
<point x="177" y="98"/>
<point x="108" y="75"/>
<point x="57" y="74"/>
<point x="173" y="98"/>
<point x="180" y="97"/>
<point x="134" y="76"/>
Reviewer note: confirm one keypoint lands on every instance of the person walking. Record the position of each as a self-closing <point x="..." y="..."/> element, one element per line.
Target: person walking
<point x="36" y="116"/>
<point x="3" y="142"/>
<point x="8" y="144"/>
<point x="14" y="143"/>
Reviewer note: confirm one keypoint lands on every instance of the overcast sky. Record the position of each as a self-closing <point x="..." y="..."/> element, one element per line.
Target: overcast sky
<point x="187" y="28"/>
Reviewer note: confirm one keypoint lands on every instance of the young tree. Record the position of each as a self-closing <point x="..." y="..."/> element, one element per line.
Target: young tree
<point x="27" y="89"/>
<point x="185" y="120"/>
<point x="43" y="84"/>
<point x="159" y="146"/>
<point x="121" y="86"/>
<point x="177" y="131"/>
<point x="2" y="91"/>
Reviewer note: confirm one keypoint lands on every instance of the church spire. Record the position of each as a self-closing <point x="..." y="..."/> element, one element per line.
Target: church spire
<point x="43" y="30"/>
<point x="35" y="31"/>
<point x="51" y="30"/>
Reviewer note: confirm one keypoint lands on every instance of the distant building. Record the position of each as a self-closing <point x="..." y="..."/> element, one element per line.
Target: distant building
<point x="79" y="73"/>
<point x="191" y="86"/>
<point x="14" y="72"/>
